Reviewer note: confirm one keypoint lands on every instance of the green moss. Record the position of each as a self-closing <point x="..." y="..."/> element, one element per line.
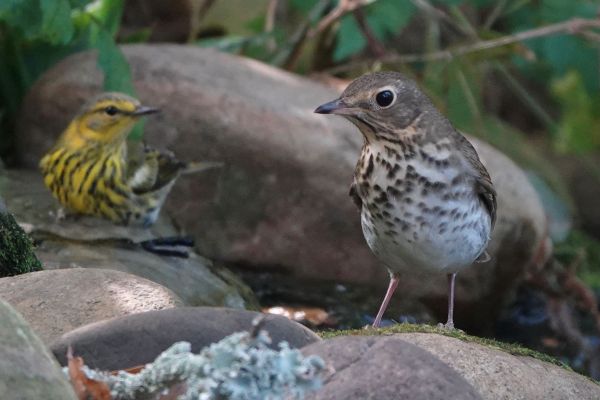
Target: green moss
<point x="16" y="249"/>
<point x="510" y="348"/>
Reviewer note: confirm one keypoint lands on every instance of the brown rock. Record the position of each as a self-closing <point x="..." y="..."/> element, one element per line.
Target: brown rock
<point x="88" y="242"/>
<point x="133" y="340"/>
<point x="282" y="198"/>
<point x="371" y="367"/>
<point x="27" y="368"/>
<point x="55" y="302"/>
<point x="499" y="375"/>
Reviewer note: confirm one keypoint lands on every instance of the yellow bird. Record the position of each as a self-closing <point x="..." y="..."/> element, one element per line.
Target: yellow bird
<point x="92" y="171"/>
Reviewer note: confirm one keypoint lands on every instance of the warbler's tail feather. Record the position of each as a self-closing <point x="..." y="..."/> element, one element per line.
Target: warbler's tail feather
<point x="200" y="166"/>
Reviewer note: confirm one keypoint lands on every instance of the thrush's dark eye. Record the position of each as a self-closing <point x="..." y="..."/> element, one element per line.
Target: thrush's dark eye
<point x="384" y="98"/>
<point x="111" y="110"/>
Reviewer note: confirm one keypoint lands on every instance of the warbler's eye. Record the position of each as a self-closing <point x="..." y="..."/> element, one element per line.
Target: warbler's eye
<point x="384" y="98"/>
<point x="111" y="110"/>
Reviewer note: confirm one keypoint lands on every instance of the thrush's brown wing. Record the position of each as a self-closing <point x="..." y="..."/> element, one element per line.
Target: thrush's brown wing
<point x="355" y="197"/>
<point x="483" y="183"/>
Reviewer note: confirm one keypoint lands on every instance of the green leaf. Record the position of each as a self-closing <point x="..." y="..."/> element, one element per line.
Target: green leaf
<point x="79" y="3"/>
<point x="463" y="97"/>
<point x="117" y="75"/>
<point x="458" y="107"/>
<point x="568" y="52"/>
<point x="579" y="126"/>
<point x="106" y="13"/>
<point x="47" y="20"/>
<point x="24" y="16"/>
<point x="139" y="36"/>
<point x="303" y="6"/>
<point x="234" y="43"/>
<point x="57" y="27"/>
<point x="386" y="17"/>
<point x="349" y="39"/>
<point x="561" y="53"/>
<point x="448" y="2"/>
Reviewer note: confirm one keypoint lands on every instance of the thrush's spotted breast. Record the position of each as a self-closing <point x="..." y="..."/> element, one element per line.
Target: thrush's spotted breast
<point x="93" y="170"/>
<point x="427" y="203"/>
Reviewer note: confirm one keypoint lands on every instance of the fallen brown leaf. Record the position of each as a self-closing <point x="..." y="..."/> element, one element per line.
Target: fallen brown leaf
<point x="85" y="388"/>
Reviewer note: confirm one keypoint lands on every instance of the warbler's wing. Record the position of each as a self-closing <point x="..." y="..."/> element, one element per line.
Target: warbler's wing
<point x="150" y="170"/>
<point x="200" y="166"/>
<point x="142" y="167"/>
<point x="169" y="168"/>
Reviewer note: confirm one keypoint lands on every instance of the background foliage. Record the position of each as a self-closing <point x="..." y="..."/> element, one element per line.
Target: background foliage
<point x="35" y="34"/>
<point x="522" y="74"/>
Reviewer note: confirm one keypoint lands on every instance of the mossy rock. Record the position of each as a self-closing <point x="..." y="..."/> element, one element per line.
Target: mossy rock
<point x="16" y="249"/>
<point x="497" y="370"/>
<point x="510" y="348"/>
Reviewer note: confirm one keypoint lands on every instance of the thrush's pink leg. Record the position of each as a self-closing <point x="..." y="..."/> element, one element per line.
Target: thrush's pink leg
<point x="450" y="322"/>
<point x="394" y="279"/>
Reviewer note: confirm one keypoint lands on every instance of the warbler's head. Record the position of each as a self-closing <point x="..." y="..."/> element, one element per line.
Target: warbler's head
<point x="107" y="118"/>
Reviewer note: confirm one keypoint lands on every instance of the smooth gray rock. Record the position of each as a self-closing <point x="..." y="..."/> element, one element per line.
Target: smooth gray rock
<point x="27" y="369"/>
<point x="500" y="375"/>
<point x="137" y="339"/>
<point x="386" y="368"/>
<point x="89" y="242"/>
<point x="58" y="301"/>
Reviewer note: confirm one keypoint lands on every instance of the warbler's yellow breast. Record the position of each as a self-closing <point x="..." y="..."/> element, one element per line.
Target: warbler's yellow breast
<point x="88" y="181"/>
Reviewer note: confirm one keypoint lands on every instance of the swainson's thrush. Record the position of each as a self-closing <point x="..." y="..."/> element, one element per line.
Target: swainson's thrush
<point x="427" y="202"/>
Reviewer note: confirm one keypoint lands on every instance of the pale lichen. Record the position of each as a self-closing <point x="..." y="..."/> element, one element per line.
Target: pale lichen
<point x="241" y="366"/>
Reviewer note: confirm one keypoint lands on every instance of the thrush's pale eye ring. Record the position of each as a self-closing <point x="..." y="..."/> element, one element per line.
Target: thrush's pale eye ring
<point x="111" y="110"/>
<point x="385" y="98"/>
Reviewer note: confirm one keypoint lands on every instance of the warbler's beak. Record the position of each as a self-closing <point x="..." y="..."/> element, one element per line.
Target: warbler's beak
<point x="333" y="107"/>
<point x="143" y="110"/>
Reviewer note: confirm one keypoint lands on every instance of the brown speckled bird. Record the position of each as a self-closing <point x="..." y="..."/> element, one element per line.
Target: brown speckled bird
<point x="427" y="202"/>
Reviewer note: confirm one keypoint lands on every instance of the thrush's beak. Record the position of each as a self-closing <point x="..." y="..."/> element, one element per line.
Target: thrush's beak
<point x="333" y="107"/>
<point x="143" y="110"/>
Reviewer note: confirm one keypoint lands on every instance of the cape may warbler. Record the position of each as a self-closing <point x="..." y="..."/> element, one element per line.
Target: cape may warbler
<point x="92" y="171"/>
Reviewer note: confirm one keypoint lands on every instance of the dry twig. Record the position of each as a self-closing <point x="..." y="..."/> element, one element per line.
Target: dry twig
<point x="344" y="7"/>
<point x="375" y="45"/>
<point x="199" y="10"/>
<point x="571" y="26"/>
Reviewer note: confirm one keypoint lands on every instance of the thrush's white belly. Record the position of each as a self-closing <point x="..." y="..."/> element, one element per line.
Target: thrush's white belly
<point x="428" y="233"/>
<point x="425" y="249"/>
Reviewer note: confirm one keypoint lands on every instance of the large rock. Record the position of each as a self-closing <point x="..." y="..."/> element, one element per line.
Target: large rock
<point x="94" y="243"/>
<point x="138" y="339"/>
<point x="55" y="302"/>
<point x="499" y="375"/>
<point x="282" y="198"/>
<point x="27" y="369"/>
<point x="386" y="368"/>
